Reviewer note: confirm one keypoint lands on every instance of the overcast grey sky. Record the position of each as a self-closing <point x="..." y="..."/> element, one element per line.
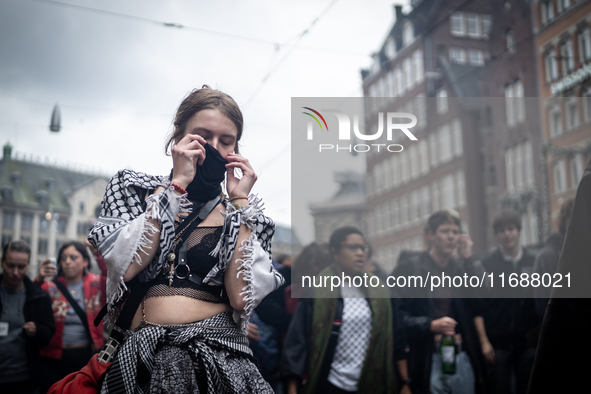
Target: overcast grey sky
<point x="119" y="79"/>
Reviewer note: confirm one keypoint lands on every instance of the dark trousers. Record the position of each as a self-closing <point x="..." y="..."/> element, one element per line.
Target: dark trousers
<point x="55" y="370"/>
<point x="509" y="363"/>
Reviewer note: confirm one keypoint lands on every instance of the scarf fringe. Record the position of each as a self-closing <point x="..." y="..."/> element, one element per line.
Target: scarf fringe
<point x="245" y="269"/>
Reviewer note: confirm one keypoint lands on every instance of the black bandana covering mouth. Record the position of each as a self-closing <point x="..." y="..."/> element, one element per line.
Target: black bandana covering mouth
<point x="207" y="183"/>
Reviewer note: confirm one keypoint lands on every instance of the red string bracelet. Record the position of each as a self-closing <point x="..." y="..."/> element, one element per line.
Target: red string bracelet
<point x="180" y="189"/>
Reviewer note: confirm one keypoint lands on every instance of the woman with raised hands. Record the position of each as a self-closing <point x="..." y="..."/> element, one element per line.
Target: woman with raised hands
<point x="186" y="264"/>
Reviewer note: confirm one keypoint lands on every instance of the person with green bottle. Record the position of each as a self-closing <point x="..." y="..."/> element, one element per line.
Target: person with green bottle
<point x="443" y="345"/>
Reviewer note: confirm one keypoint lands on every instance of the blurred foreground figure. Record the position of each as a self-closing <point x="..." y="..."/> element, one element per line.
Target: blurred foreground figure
<point x="26" y="322"/>
<point x="558" y="367"/>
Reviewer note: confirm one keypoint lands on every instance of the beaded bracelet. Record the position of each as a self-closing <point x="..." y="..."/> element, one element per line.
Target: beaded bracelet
<point x="238" y="206"/>
<point x="238" y="198"/>
<point x="180" y="189"/>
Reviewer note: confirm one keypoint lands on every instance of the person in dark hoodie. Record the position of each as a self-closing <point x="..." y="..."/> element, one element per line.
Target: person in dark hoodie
<point x="507" y="326"/>
<point x="547" y="260"/>
<point x="26" y="321"/>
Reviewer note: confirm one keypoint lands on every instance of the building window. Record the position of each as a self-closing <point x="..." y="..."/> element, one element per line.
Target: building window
<point x="423" y="157"/>
<point x="529" y="230"/>
<point x="457" y="24"/>
<point x="413" y="152"/>
<point x="26" y="222"/>
<point x="551" y="66"/>
<point x="421" y="111"/>
<point x="460" y="188"/>
<point x="563" y="5"/>
<point x="395" y="212"/>
<point x="555" y="121"/>
<point x="408" y="81"/>
<point x="572" y="113"/>
<point x="458" y="143"/>
<point x="404" y="210"/>
<point x="445" y="144"/>
<point x="567" y="56"/>
<point x="390" y="48"/>
<point x="576" y="170"/>
<point x="510" y="41"/>
<point x="62" y="225"/>
<point x="42" y="246"/>
<point x="514" y="103"/>
<point x="433" y="151"/>
<point x="473" y="26"/>
<point x="8" y="220"/>
<point x="442" y="101"/>
<point x="395" y="170"/>
<point x="475" y="57"/>
<point x="486" y="25"/>
<point x="407" y="33"/>
<point x="519" y="166"/>
<point x="547" y="11"/>
<point x="435" y="196"/>
<point x="417" y="67"/>
<point x="585" y="44"/>
<point x="447" y="192"/>
<point x="425" y="202"/>
<point x="82" y="207"/>
<point x="559" y="177"/>
<point x="457" y="55"/>
<point x="509" y="168"/>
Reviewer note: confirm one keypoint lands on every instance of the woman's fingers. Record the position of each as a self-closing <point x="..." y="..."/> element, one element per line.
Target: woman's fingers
<point x="240" y="187"/>
<point x="186" y="155"/>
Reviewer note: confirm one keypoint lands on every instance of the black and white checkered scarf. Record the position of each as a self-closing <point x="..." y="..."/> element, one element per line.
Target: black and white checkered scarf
<point x="210" y="356"/>
<point x="123" y="231"/>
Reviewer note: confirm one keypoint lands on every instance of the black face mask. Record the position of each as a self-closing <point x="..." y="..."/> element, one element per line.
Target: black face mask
<point x="209" y="176"/>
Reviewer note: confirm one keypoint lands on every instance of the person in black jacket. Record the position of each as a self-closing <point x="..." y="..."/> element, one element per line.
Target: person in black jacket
<point x="428" y="315"/>
<point x="26" y="321"/>
<point x="507" y="327"/>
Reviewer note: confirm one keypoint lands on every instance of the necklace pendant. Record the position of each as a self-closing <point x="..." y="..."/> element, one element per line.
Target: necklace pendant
<point x="171" y="257"/>
<point x="170" y="275"/>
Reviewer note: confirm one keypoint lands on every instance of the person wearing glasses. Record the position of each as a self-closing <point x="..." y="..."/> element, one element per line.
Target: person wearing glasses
<point x="346" y="339"/>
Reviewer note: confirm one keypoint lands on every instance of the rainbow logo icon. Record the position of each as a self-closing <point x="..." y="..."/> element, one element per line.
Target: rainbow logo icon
<point x="315" y="118"/>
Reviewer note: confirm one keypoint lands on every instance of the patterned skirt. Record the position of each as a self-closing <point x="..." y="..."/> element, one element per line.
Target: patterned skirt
<point x="209" y="356"/>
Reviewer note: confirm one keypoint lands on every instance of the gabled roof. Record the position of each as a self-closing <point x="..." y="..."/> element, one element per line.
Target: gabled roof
<point x="35" y="184"/>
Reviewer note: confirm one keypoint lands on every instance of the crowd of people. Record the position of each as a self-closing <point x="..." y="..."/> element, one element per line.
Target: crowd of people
<point x="347" y="341"/>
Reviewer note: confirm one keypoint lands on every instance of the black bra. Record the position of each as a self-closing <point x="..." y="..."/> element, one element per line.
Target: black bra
<point x="194" y="263"/>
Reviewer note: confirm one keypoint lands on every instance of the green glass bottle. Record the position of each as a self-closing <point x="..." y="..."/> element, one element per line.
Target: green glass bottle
<point x="448" y="355"/>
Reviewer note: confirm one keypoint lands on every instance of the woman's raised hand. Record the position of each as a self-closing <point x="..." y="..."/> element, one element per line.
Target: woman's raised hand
<point x="239" y="187"/>
<point x="186" y="155"/>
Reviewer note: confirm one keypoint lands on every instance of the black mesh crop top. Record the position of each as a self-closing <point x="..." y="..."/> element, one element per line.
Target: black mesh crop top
<point x="200" y="243"/>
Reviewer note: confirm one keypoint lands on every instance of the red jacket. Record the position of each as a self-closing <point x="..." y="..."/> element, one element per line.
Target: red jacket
<point x="94" y="298"/>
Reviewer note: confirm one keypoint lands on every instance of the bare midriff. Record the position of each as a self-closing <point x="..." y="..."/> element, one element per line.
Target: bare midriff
<point x="177" y="310"/>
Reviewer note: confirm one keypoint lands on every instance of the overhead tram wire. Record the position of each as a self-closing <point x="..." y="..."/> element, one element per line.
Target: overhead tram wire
<point x="158" y="22"/>
<point x="298" y="37"/>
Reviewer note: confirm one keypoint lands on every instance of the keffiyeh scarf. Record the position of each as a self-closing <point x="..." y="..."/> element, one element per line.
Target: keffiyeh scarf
<point x="123" y="231"/>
